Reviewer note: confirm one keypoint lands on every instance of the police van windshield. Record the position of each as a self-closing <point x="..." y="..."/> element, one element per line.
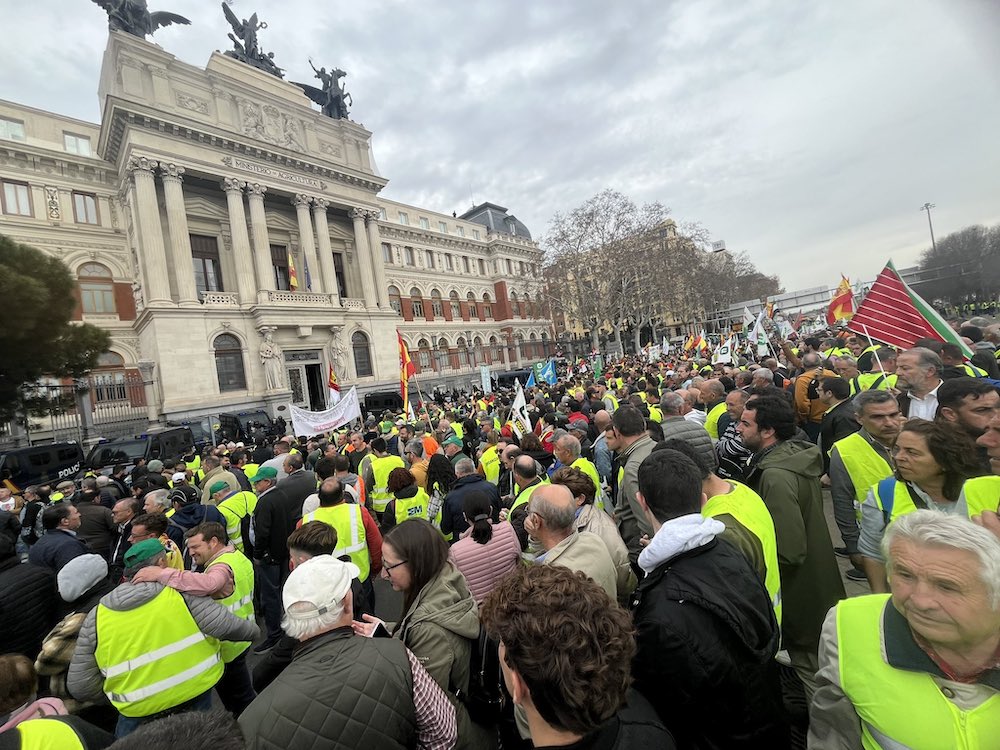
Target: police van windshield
<point x="116" y="453"/>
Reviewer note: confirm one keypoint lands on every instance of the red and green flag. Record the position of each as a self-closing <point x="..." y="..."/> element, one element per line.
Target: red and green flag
<point x="895" y="314"/>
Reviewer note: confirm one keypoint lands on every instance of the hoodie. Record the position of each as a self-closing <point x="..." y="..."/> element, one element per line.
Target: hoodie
<point x="786" y="476"/>
<point x="703" y="617"/>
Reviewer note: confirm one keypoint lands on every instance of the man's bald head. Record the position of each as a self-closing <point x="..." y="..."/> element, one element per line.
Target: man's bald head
<point x="556" y="506"/>
<point x="602" y="419"/>
<point x="524" y="467"/>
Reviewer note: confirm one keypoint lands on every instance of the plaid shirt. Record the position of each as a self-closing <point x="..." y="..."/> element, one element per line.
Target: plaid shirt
<point x="437" y="727"/>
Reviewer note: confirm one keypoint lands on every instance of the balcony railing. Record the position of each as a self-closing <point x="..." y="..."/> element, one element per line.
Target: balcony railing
<point x="219" y="299"/>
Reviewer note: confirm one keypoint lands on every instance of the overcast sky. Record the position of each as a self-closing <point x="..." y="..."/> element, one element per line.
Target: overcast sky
<point x="806" y="133"/>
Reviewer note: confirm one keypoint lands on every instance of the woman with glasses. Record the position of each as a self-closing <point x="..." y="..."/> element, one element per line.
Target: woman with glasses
<point x="439" y="617"/>
<point x="933" y="460"/>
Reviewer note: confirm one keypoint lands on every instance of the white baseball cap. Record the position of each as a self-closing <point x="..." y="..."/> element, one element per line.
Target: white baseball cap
<point x="180" y="476"/>
<point x="322" y="581"/>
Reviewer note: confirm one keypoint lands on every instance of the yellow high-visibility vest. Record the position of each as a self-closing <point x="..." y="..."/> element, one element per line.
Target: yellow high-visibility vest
<point x="981" y="494"/>
<point x="346" y="520"/>
<point x="412" y="507"/>
<point x="524" y="495"/>
<point x="864" y="465"/>
<point x="747" y="507"/>
<point x="712" y="419"/>
<point x="588" y="468"/>
<point x="154" y="657"/>
<point x="381" y="468"/>
<point x="490" y="461"/>
<point x="235" y="508"/>
<point x="899" y="707"/>
<point x="240" y="602"/>
<point x="47" y="734"/>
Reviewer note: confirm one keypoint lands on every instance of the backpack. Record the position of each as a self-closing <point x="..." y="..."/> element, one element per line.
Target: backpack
<point x="485" y="698"/>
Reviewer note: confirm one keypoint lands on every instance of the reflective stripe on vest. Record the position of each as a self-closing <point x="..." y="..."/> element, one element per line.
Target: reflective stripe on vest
<point x="48" y="734"/>
<point x="864" y="465"/>
<point x="412" y="507"/>
<point x="981" y="493"/>
<point x="154" y="657"/>
<point x="900" y="708"/>
<point x="381" y="468"/>
<point x="346" y="520"/>
<point x="747" y="507"/>
<point x="235" y="508"/>
<point x="240" y="602"/>
<point x="490" y="461"/>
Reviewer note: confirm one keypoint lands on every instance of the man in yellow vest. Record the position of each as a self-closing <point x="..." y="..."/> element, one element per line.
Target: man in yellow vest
<point x="358" y="535"/>
<point x="567" y="449"/>
<point x="121" y="636"/>
<point x="489" y="461"/>
<point x="859" y="461"/>
<point x="917" y="668"/>
<point x="713" y="395"/>
<point x="237" y="508"/>
<point x="526" y="481"/>
<point x="376" y="475"/>
<point x="748" y="522"/>
<point x="226" y="576"/>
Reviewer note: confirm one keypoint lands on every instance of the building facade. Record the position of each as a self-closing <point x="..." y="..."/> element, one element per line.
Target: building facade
<point x="232" y="241"/>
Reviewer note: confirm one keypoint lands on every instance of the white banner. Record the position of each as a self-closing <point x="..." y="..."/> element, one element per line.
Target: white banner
<point x="484" y="379"/>
<point x="317" y="422"/>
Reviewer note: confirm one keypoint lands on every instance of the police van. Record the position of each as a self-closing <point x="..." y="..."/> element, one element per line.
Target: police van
<point x="40" y="464"/>
<point x="165" y="443"/>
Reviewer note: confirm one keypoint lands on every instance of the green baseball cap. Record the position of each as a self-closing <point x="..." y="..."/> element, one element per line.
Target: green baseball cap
<point x="453" y="440"/>
<point x="142" y="551"/>
<point x="218" y="487"/>
<point x="264" y="472"/>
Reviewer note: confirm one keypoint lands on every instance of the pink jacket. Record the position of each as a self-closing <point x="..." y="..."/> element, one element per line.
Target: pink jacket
<point x="36" y="710"/>
<point x="483" y="565"/>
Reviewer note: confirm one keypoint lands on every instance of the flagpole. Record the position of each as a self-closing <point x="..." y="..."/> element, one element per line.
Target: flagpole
<point x="874" y="351"/>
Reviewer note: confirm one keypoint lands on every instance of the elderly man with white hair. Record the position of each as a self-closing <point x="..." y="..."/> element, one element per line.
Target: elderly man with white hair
<point x="919" y="668"/>
<point x="342" y="689"/>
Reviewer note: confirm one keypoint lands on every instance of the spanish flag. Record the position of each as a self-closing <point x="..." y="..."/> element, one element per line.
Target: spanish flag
<point x="334" y="387"/>
<point x="842" y="304"/>
<point x="690" y="343"/>
<point x="406" y="369"/>
<point x="293" y="278"/>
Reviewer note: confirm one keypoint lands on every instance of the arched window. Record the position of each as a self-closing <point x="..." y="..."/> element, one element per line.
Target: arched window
<point x="456" y="308"/>
<point x="394" y="301"/>
<point x="436" y="306"/>
<point x="362" y="355"/>
<point x="108" y="378"/>
<point x="418" y="303"/>
<point x="514" y="309"/>
<point x="487" y="307"/>
<point x="478" y="352"/>
<point x="444" y="361"/>
<point x="532" y="346"/>
<point x="229" y="363"/>
<point x="463" y="352"/>
<point x="424" y="354"/>
<point x="97" y="291"/>
<point x="473" y="311"/>
<point x="495" y="349"/>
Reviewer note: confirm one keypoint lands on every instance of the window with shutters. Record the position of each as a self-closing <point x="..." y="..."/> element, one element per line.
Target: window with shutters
<point x="229" y="363"/>
<point x="279" y="262"/>
<point x="15" y="198"/>
<point x="417" y="302"/>
<point x="97" y="290"/>
<point x="207" y="268"/>
<point x="338" y="270"/>
<point x="362" y="355"/>
<point x="85" y="208"/>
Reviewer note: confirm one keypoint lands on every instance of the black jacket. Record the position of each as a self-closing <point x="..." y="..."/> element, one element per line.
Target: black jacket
<point x="28" y="603"/>
<point x="276" y="515"/>
<point x="706" y="638"/>
<point x="837" y="423"/>
<point x="55" y="549"/>
<point x="452" y="517"/>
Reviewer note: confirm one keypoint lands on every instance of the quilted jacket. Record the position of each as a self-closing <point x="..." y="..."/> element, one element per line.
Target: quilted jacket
<point x="340" y="691"/>
<point x="28" y="602"/>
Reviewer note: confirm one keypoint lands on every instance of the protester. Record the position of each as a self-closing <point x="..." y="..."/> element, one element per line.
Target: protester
<point x="59" y="544"/>
<point x="468" y="480"/>
<point x="27" y="602"/>
<point x="917" y="668"/>
<point x="633" y="445"/>
<point x="19" y="700"/>
<point x="705" y="629"/>
<point x="839" y="419"/>
<point x="565" y="651"/>
<point x="932" y="462"/>
<point x="342" y="690"/>
<point x="918" y="375"/>
<point x="487" y="551"/>
<point x="408" y="500"/>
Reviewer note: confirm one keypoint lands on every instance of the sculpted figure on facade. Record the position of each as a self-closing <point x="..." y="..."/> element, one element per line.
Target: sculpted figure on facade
<point x="271" y="359"/>
<point x="338" y="352"/>
<point x="331" y="97"/>
<point x="133" y="17"/>
<point x="246" y="49"/>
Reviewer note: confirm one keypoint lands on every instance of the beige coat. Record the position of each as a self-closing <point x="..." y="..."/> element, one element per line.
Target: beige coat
<point x="587" y="553"/>
<point x="598" y="522"/>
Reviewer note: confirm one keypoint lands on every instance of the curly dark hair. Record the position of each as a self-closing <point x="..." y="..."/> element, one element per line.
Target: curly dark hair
<point x="952" y="449"/>
<point x="569" y="642"/>
<point x="530" y="442"/>
<point x="399" y="479"/>
<point x="440" y="474"/>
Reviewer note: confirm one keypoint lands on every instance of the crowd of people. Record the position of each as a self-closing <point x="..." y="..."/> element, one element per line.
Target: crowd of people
<point x="638" y="559"/>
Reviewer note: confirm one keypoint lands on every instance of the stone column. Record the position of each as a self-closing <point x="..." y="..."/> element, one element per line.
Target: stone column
<point x="146" y="369"/>
<point x="375" y="246"/>
<point x="301" y="203"/>
<point x="150" y="232"/>
<point x="364" y="256"/>
<point x="242" y="259"/>
<point x="261" y="240"/>
<point x="326" y="267"/>
<point x="180" y="240"/>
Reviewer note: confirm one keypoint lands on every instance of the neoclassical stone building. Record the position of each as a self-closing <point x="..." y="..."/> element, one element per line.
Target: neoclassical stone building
<point x="186" y="213"/>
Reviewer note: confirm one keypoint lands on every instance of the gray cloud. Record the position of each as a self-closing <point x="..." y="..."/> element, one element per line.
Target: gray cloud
<point x="807" y="134"/>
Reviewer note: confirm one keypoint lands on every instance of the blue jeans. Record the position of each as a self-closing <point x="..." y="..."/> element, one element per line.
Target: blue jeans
<point x="128" y="724"/>
<point x="269" y="580"/>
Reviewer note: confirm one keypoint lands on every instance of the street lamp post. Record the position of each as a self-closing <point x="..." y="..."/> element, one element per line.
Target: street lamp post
<point x="927" y="207"/>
